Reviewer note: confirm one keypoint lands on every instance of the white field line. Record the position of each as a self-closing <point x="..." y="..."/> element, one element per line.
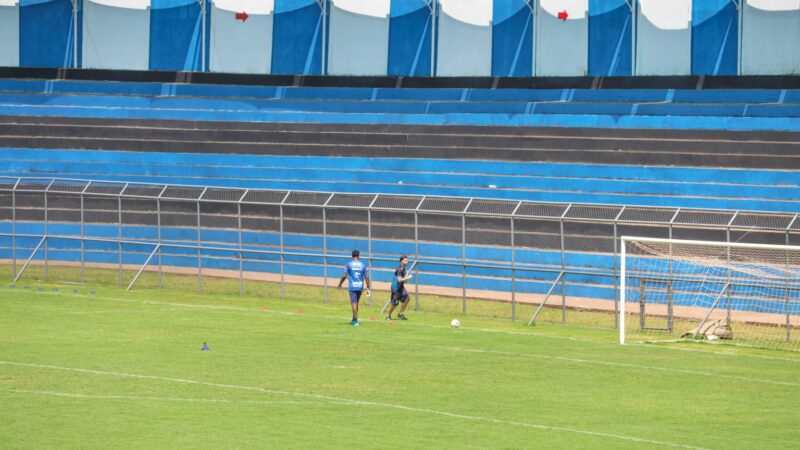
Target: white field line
<point x="608" y="363"/>
<point x="357" y="403"/>
<point x="470" y="329"/>
<point x="167" y="399"/>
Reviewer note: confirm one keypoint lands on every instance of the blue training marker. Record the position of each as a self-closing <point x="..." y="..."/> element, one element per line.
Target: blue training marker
<point x="92" y="292"/>
<point x="24" y="287"/>
<point x="55" y="289"/>
<point x="12" y="286"/>
<point x="205" y="347"/>
<point x="74" y="291"/>
<point x="39" y="289"/>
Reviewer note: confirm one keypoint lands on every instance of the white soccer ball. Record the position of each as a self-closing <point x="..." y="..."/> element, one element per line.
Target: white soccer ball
<point x="455" y="323"/>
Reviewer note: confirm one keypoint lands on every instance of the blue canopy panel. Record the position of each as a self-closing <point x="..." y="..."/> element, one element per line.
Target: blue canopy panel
<point x="297" y="37"/>
<point x="715" y="37"/>
<point x="175" y="35"/>
<point x="45" y="33"/>
<point x="610" y="26"/>
<point x="512" y="39"/>
<point x="409" y="38"/>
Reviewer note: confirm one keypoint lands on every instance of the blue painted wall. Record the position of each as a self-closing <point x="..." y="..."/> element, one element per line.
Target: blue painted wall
<point x="297" y="37"/>
<point x="610" y="26"/>
<point x="175" y="35"/>
<point x="512" y="42"/>
<point x="45" y="33"/>
<point x="715" y="35"/>
<point x="409" y="39"/>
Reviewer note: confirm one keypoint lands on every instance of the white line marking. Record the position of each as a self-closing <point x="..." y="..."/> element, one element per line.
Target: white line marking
<point x="357" y="402"/>
<point x="609" y="363"/>
<point x="167" y="399"/>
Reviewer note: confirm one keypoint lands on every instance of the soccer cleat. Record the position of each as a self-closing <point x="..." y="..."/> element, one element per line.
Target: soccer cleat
<point x="355" y="323"/>
<point x="388" y="317"/>
<point x="402" y="316"/>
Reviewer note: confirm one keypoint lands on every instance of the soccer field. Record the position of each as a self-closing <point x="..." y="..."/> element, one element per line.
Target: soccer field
<point x="125" y="369"/>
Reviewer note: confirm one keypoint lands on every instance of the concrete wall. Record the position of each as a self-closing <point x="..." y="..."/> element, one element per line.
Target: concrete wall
<point x="464" y="38"/>
<point x="359" y="37"/>
<point x="242" y="46"/>
<point x="116" y="34"/>
<point x="771" y="37"/>
<point x="9" y="33"/>
<point x="664" y="37"/>
<point x="562" y="46"/>
<point x="402" y="37"/>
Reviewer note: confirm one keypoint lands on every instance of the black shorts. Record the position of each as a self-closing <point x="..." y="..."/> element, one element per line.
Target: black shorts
<point x="400" y="296"/>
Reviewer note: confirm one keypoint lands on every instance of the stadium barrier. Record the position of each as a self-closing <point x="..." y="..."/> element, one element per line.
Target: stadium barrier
<point x="521" y="253"/>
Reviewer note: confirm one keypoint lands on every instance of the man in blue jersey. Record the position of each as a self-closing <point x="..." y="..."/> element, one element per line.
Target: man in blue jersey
<point x="357" y="275"/>
<point x="399" y="292"/>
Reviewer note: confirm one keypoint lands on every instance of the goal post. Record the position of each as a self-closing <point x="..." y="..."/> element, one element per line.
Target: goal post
<point x="745" y="294"/>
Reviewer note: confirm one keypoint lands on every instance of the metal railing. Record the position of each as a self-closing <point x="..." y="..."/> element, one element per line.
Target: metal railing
<point x="523" y="247"/>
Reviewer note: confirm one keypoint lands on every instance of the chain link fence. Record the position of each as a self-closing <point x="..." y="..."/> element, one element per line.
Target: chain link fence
<point x="521" y="260"/>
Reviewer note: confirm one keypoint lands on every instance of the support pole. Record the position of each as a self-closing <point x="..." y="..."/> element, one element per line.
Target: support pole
<point x="241" y="253"/>
<point x="463" y="263"/>
<point x="119" y="233"/>
<point x="622" y="282"/>
<point x="28" y="261"/>
<point x="325" y="253"/>
<point x="14" y="228"/>
<point x="563" y="268"/>
<point x="203" y="36"/>
<point x="83" y="239"/>
<point x="46" y="232"/>
<point x="75" y="33"/>
<point x="513" y="275"/>
<point x="146" y="262"/>
<point x="283" y="288"/>
<point x="432" y="7"/>
<point x="199" y="247"/>
<point x="369" y="248"/>
<point x="546" y="296"/>
<point x="416" y="259"/>
<point x="725" y="288"/>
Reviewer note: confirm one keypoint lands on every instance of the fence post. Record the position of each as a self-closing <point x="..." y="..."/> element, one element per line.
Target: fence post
<point x="464" y="263"/>
<point x="563" y="268"/>
<point x="83" y="237"/>
<point x="158" y="232"/>
<point x="14" y="227"/>
<point x="369" y="248"/>
<point x="513" y="275"/>
<point x="283" y="290"/>
<point x="46" y="232"/>
<point x="199" y="247"/>
<point x="241" y="253"/>
<point x="119" y="231"/>
<point x="416" y="258"/>
<point x="325" y="253"/>
<point x="788" y="309"/>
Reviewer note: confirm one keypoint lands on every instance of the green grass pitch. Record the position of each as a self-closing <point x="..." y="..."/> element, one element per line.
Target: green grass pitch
<point x="119" y="369"/>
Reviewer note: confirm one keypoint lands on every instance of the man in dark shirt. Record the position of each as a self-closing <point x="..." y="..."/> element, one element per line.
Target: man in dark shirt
<point x="399" y="292"/>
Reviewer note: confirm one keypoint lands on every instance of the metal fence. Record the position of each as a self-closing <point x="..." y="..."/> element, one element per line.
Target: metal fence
<point x="516" y="252"/>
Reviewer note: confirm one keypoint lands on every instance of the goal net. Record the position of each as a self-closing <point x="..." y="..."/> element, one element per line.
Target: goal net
<point x="746" y="294"/>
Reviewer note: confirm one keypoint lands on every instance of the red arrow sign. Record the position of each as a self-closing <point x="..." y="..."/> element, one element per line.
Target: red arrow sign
<point x="562" y="15"/>
<point x="243" y="16"/>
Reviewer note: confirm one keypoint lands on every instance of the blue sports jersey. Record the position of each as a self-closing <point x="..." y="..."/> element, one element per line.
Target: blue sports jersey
<point x="356" y="273"/>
